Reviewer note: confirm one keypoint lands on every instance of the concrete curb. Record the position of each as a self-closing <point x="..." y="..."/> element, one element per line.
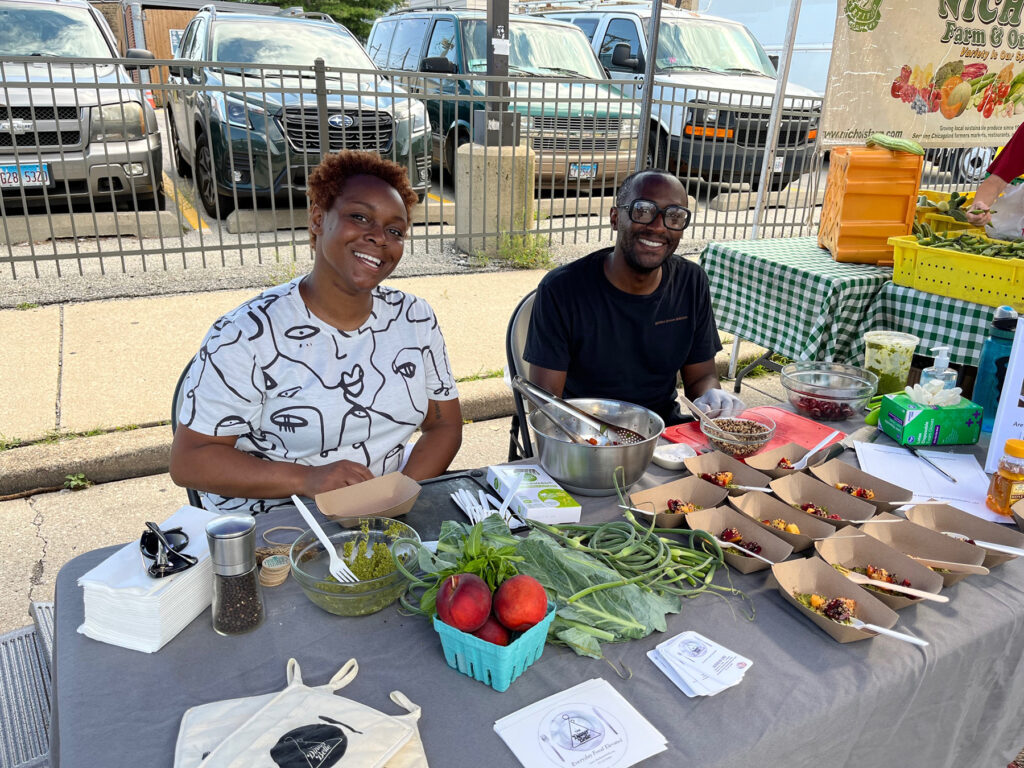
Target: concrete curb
<point x="140" y="452"/>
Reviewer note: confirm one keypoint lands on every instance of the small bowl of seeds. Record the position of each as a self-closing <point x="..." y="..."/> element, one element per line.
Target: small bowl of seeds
<point x="739" y="436"/>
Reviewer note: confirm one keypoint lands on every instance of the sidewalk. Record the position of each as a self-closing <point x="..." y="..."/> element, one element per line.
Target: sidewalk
<point x="110" y="366"/>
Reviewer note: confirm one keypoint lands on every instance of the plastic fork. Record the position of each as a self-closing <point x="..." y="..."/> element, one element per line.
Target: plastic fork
<point x="337" y="567"/>
<point x="1001" y="548"/>
<point x="742" y="550"/>
<point x="807" y="456"/>
<point x="855" y="622"/>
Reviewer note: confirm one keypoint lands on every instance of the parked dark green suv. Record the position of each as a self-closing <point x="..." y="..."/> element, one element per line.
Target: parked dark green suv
<point x="245" y="115"/>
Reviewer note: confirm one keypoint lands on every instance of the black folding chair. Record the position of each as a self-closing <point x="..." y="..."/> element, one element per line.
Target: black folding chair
<point x="519" y="444"/>
<point x="193" y="495"/>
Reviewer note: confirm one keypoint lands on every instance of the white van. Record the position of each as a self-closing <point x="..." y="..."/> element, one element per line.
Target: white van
<point x="713" y="93"/>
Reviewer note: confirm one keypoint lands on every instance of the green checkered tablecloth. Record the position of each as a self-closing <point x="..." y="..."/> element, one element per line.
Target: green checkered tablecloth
<point x="790" y="296"/>
<point x="962" y="325"/>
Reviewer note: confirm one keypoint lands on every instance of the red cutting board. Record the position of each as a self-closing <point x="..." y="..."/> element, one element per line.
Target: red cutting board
<point x="789" y="428"/>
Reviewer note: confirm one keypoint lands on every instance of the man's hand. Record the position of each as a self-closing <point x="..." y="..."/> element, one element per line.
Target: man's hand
<point x="718" y="402"/>
<point x="979" y="214"/>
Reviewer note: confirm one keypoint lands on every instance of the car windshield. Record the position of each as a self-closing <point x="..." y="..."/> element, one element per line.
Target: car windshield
<point x="291" y="43"/>
<point x="535" y="49"/>
<point x="36" y="30"/>
<point x="703" y="44"/>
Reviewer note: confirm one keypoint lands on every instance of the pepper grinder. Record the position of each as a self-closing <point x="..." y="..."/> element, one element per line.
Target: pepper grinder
<point x="237" y="596"/>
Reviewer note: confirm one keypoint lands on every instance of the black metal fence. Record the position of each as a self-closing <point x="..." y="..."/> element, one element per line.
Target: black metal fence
<point x="95" y="178"/>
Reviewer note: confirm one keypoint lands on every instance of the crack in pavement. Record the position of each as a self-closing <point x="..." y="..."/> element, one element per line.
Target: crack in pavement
<point x="39" y="567"/>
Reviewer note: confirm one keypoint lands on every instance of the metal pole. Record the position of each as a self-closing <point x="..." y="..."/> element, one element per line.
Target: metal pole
<point x="648" y="86"/>
<point x="320" y="84"/>
<point x="776" y="117"/>
<point x="497" y="51"/>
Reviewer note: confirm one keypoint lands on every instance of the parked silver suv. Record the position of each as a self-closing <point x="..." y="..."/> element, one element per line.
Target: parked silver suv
<point x="73" y="124"/>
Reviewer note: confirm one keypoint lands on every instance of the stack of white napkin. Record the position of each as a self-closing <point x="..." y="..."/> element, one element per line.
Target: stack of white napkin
<point x="125" y="606"/>
<point x="698" y="666"/>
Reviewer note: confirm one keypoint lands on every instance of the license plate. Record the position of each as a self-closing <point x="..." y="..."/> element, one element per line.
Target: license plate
<point x="14" y="176"/>
<point x="582" y="170"/>
<point x="778" y="164"/>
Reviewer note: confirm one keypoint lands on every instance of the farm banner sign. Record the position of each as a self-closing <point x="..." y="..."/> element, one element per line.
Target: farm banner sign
<point x="940" y="72"/>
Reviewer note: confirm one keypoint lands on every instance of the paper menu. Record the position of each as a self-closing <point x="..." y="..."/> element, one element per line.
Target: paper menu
<point x="1009" y="421"/>
<point x="897" y="465"/>
<point x="590" y="724"/>
<point x="698" y="666"/>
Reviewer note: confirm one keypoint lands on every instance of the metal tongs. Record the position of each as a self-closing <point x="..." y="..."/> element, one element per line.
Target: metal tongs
<point x="584" y="427"/>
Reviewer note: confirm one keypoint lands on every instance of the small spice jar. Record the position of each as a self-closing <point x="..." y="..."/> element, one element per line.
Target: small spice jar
<point x="237" y="597"/>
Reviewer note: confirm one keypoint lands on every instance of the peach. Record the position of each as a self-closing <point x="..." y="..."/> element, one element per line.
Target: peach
<point x="464" y="601"/>
<point x="493" y="632"/>
<point x="520" y="602"/>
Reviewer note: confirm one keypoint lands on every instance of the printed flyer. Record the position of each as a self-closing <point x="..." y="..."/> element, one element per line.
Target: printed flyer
<point x="939" y="72"/>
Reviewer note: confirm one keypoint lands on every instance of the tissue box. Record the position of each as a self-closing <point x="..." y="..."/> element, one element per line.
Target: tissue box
<point x="909" y="423"/>
<point x="538" y="498"/>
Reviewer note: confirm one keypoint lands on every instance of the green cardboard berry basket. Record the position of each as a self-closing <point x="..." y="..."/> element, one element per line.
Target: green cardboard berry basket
<point x="494" y="665"/>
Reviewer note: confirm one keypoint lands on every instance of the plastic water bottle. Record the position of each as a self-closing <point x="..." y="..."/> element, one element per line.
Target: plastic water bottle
<point x="995" y="356"/>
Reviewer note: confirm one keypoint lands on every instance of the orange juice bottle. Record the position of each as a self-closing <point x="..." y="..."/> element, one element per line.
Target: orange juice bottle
<point x="1007" y="486"/>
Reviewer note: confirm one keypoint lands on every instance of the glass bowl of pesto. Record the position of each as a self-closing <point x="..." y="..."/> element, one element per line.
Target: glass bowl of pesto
<point x="369" y="548"/>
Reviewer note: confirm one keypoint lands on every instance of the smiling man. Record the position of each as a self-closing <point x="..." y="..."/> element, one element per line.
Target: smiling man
<point x="625" y="322"/>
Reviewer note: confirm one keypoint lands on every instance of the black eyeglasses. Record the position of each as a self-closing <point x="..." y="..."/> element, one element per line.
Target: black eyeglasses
<point x="166" y="550"/>
<point x="645" y="211"/>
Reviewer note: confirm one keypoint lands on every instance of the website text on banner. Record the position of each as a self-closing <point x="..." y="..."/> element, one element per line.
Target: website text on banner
<point x="944" y="73"/>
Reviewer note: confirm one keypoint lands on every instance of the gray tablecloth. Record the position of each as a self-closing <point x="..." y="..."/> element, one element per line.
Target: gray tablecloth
<point x="807" y="700"/>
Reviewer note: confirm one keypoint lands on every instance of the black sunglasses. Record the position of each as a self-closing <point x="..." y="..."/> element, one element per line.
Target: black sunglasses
<point x="166" y="550"/>
<point x="645" y="211"/>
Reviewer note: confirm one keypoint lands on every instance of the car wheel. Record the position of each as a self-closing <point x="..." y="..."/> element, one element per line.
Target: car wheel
<point x="181" y="167"/>
<point x="450" y="146"/>
<point x="657" y="150"/>
<point x="969" y="165"/>
<point x="206" y="181"/>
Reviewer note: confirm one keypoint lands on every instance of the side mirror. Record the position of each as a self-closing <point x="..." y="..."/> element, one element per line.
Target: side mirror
<point x="438" y="65"/>
<point x="180" y="70"/>
<point x="138" y="53"/>
<point x="622" y="59"/>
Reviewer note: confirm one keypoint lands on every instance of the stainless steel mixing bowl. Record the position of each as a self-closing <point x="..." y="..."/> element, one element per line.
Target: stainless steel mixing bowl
<point x="588" y="470"/>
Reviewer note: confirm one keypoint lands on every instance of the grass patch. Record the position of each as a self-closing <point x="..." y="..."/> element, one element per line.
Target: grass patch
<point x="6" y="443"/>
<point x="26" y="305"/>
<point x="284" y="270"/>
<point x="77" y="481"/>
<point x="494" y="373"/>
<point x="526" y="251"/>
<point x="760" y="370"/>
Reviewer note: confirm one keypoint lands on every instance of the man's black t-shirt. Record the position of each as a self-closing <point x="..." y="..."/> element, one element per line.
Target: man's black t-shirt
<point x="618" y="345"/>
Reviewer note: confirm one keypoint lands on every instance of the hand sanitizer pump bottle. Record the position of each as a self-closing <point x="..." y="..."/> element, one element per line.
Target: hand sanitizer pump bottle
<point x="941" y="370"/>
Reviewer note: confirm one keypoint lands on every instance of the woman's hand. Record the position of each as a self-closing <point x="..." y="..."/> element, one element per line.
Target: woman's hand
<point x="338" y="474"/>
<point x="979" y="214"/>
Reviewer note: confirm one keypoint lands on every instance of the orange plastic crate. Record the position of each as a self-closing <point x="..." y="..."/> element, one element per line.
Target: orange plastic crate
<point x="870" y="196"/>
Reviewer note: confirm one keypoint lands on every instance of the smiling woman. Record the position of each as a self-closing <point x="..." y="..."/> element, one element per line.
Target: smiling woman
<point x="319" y="383"/>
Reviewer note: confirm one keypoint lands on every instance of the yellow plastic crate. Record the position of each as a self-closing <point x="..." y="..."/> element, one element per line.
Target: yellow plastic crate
<point x="935" y="196"/>
<point x="943" y="224"/>
<point x="944" y="272"/>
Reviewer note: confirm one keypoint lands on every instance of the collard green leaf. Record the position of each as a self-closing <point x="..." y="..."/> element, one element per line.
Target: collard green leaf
<point x="627" y="611"/>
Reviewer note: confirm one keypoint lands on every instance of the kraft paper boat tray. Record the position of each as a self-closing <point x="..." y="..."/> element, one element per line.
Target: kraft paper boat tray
<point x="837" y="471"/>
<point x="763" y="506"/>
<point x="715" y="520"/>
<point x="915" y="540"/>
<point x="716" y="461"/>
<point x="654" y="501"/>
<point x="942" y="517"/>
<point x="799" y="488"/>
<point x="852" y="549"/>
<point x="815" y="575"/>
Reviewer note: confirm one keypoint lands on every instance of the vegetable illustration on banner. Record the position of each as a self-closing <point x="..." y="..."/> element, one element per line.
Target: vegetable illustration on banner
<point x="942" y="72"/>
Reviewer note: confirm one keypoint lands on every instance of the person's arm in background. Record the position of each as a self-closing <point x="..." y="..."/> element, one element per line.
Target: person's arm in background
<point x="1006" y="167"/>
<point x="440" y="440"/>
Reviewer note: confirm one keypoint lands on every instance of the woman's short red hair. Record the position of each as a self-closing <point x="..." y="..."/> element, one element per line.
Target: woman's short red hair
<point x="328" y="179"/>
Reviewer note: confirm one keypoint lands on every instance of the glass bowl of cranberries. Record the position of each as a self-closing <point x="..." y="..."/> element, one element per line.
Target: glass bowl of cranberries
<point x="828" y="391"/>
